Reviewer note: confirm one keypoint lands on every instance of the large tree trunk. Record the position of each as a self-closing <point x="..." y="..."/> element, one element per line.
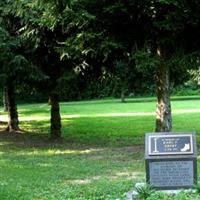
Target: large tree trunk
<point x="13" y="122"/>
<point x="5" y="99"/>
<point x="163" y="112"/>
<point x="55" y="116"/>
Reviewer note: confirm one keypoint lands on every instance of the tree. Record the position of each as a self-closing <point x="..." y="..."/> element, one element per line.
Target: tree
<point x="162" y="32"/>
<point x="7" y="60"/>
<point x="46" y="26"/>
<point x="15" y="68"/>
<point x="167" y="26"/>
<point x="122" y="73"/>
<point x="110" y="38"/>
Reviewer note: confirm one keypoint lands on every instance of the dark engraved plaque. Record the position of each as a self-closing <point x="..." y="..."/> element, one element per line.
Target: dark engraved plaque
<point x="171" y="173"/>
<point x="170" y="144"/>
<point x="171" y="160"/>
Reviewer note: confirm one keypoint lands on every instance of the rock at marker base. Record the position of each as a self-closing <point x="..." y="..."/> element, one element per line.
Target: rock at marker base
<point x="131" y="195"/>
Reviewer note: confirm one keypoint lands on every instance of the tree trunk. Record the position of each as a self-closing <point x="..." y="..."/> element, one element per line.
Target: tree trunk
<point x="5" y="99"/>
<point x="123" y="95"/>
<point x="55" y="116"/>
<point x="13" y="122"/>
<point x="163" y="112"/>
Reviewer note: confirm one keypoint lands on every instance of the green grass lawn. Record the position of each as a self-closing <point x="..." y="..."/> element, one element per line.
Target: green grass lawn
<point x="100" y="157"/>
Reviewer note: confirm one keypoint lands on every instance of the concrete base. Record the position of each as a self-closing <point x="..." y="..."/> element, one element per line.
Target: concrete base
<point x="133" y="194"/>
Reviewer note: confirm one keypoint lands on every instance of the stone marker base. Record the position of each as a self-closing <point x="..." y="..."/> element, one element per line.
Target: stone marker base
<point x="133" y="194"/>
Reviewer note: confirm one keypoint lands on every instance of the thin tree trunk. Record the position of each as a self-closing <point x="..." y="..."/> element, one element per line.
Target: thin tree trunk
<point x="123" y="95"/>
<point x="55" y="116"/>
<point x="163" y="112"/>
<point x="5" y="99"/>
<point x="13" y="122"/>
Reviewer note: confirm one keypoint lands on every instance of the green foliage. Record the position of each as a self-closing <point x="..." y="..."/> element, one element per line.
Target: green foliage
<point x="158" y="196"/>
<point x="145" y="60"/>
<point x="195" y="76"/>
<point x="185" y="90"/>
<point x="197" y="187"/>
<point x="144" y="191"/>
<point x="87" y="37"/>
<point x="14" y="63"/>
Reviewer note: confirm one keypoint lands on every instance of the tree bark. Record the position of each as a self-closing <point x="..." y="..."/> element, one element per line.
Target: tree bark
<point x="163" y="111"/>
<point x="5" y="99"/>
<point x="55" y="116"/>
<point x="13" y="122"/>
<point x="123" y="95"/>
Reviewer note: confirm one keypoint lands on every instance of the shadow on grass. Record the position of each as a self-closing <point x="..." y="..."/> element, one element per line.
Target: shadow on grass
<point x="72" y="163"/>
<point x="26" y="140"/>
<point x="35" y="134"/>
<point x="32" y="111"/>
<point x="89" y="131"/>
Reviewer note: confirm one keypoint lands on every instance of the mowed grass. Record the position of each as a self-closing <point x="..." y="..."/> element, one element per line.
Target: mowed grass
<point x="110" y="122"/>
<point x="101" y="155"/>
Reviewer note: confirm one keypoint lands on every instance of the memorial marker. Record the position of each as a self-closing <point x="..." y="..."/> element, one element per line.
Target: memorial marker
<point x="171" y="160"/>
<point x="170" y="144"/>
